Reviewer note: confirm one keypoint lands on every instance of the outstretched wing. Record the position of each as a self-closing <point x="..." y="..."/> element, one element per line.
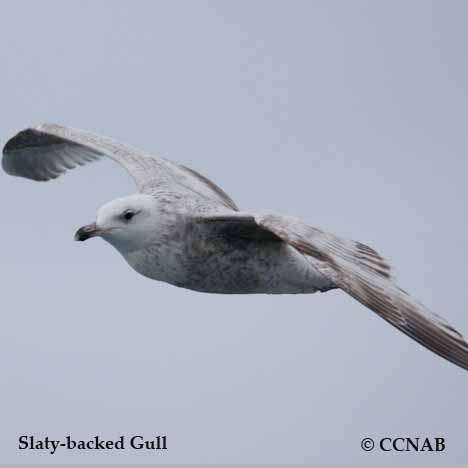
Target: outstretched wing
<point x="47" y="151"/>
<point x="359" y="271"/>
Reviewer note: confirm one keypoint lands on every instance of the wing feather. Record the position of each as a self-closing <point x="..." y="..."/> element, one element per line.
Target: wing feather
<point x="366" y="276"/>
<point x="358" y="270"/>
<point x="47" y="151"/>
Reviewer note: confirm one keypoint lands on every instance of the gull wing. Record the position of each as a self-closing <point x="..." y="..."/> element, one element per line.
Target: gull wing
<point x="359" y="271"/>
<point x="47" y="151"/>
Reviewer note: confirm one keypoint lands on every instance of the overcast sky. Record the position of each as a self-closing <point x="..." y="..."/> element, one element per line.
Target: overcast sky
<point x="350" y="115"/>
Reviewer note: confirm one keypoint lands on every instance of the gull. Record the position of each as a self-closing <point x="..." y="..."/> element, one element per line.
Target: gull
<point x="183" y="229"/>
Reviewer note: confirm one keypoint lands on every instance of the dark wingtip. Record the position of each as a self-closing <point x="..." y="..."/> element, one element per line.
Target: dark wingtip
<point x="10" y="144"/>
<point x="29" y="138"/>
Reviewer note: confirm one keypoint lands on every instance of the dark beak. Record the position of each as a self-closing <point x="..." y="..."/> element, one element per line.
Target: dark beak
<point x="85" y="232"/>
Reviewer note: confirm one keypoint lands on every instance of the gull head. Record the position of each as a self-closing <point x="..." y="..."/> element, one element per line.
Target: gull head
<point x="127" y="223"/>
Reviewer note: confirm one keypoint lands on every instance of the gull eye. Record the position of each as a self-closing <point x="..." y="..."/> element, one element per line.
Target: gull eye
<point x="128" y="215"/>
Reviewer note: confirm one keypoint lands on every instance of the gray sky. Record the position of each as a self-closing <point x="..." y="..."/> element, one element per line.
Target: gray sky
<point x="350" y="115"/>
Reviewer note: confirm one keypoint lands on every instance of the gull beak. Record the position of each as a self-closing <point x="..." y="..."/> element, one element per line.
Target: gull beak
<point x="86" y="232"/>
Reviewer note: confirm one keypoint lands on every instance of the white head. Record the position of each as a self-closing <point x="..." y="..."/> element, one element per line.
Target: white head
<point x="127" y="223"/>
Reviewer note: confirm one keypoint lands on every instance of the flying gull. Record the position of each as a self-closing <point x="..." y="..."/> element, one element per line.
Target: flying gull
<point x="183" y="229"/>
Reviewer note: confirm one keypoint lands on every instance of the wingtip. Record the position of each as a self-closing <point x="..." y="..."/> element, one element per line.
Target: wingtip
<point x="26" y="138"/>
<point x="8" y="146"/>
<point x="7" y="162"/>
<point x="12" y="142"/>
<point x="28" y="130"/>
